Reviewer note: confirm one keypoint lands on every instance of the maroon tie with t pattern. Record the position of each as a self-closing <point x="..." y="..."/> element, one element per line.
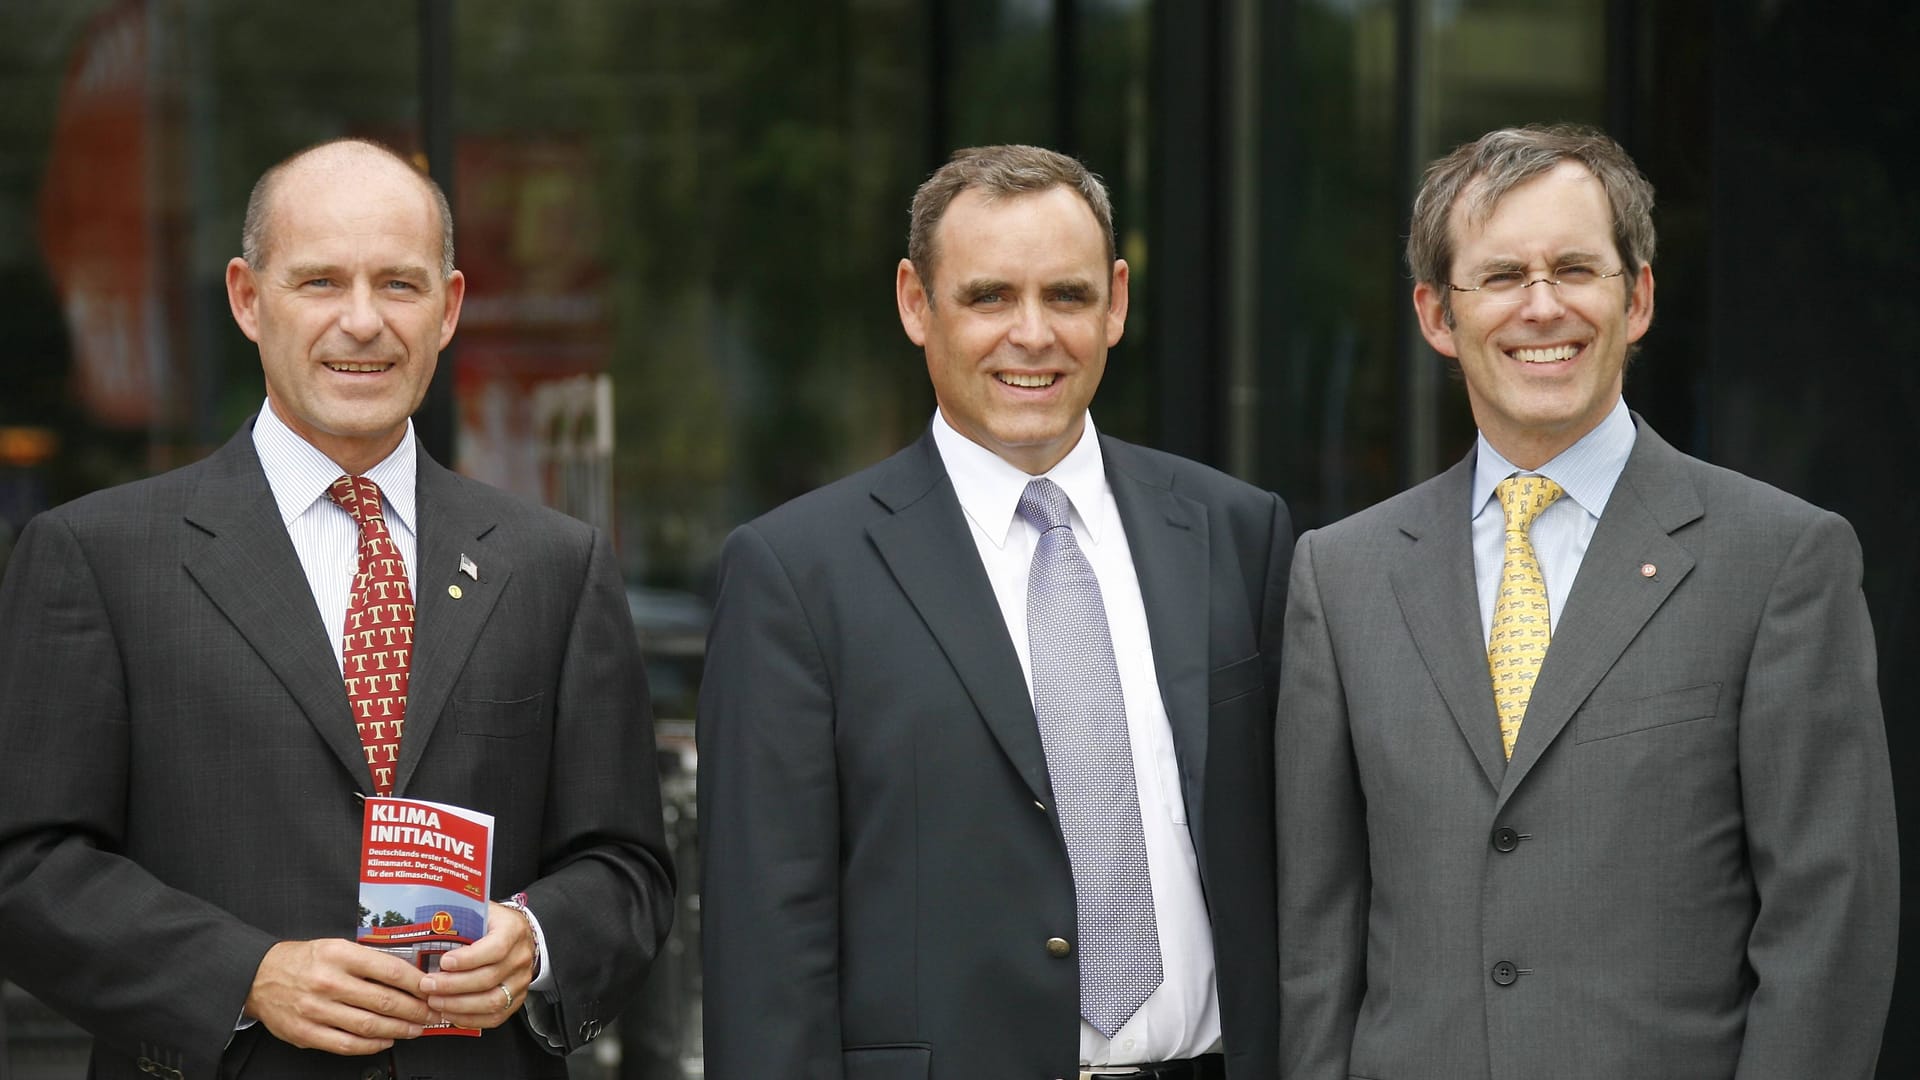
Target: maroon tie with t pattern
<point x="376" y="645"/>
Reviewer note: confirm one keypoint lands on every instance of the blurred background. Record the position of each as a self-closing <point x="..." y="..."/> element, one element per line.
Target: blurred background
<point x="679" y="220"/>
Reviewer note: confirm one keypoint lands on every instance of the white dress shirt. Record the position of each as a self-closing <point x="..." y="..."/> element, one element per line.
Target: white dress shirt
<point x="324" y="535"/>
<point x="1587" y="471"/>
<point x="327" y="539"/>
<point x="1182" y="1018"/>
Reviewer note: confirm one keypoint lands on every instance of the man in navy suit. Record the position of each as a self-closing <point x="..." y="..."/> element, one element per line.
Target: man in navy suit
<point x="888" y="889"/>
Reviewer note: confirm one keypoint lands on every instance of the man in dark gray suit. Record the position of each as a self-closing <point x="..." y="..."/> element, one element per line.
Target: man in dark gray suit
<point x="948" y="830"/>
<point x="1582" y="766"/>
<point x="183" y="774"/>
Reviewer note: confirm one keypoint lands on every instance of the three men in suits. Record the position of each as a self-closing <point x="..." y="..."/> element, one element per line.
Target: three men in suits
<point x="1597" y="786"/>
<point x="183" y="775"/>
<point x="914" y="866"/>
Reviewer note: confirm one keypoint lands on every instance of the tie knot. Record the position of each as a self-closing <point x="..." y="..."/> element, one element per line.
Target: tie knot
<point x="1044" y="505"/>
<point x="1523" y="497"/>
<point x="358" y="496"/>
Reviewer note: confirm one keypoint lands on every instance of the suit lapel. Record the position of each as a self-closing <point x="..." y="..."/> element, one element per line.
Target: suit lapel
<point x="929" y="549"/>
<point x="446" y="627"/>
<point x="1611" y="598"/>
<point x="1168" y="536"/>
<point x="1434" y="585"/>
<point x="247" y="567"/>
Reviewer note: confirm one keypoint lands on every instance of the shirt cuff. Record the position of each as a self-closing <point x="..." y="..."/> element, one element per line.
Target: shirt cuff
<point x="544" y="981"/>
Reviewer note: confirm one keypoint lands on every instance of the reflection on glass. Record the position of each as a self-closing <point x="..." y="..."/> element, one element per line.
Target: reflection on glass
<point x="1368" y="407"/>
<point x="705" y="205"/>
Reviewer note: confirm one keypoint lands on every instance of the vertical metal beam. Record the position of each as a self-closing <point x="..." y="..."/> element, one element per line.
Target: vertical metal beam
<point x="436" y="421"/>
<point x="1622" y="73"/>
<point x="939" y="69"/>
<point x="1185" y="335"/>
<point x="208" y="324"/>
<point x="1242" y="237"/>
<point x="1420" y="384"/>
<point x="1066" y="76"/>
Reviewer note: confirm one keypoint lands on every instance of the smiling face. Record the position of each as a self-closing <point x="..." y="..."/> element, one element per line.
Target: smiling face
<point x="1545" y="371"/>
<point x="349" y="309"/>
<point x="1017" y="321"/>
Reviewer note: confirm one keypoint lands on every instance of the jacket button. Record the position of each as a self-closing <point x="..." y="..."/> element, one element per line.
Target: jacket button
<point x="1504" y="973"/>
<point x="1505" y="839"/>
<point x="1058" y="947"/>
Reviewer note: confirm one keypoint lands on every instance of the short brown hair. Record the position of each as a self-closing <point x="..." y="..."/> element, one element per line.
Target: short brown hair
<point x="998" y="171"/>
<point x="253" y="229"/>
<point x="1484" y="170"/>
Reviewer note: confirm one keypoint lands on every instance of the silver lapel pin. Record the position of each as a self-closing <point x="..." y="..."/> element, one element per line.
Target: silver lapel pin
<point x="467" y="567"/>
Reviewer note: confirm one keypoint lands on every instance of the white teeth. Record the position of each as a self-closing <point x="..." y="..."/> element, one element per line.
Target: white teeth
<point x="1545" y="356"/>
<point x="1030" y="381"/>
<point x="358" y="367"/>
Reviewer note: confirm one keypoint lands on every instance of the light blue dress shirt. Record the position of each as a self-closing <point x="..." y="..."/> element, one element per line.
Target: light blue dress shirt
<point x="1587" y="470"/>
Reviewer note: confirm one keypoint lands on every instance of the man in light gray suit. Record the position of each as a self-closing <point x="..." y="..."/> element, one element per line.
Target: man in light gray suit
<point x="182" y="780"/>
<point x="900" y="872"/>
<point x="1596" y="787"/>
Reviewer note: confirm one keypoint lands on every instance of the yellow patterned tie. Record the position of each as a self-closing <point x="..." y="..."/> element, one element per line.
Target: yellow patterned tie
<point x="1518" y="643"/>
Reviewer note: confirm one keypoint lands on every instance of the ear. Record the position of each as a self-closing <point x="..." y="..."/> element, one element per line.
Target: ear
<point x="1117" y="304"/>
<point x="456" y="292"/>
<point x="1640" y="304"/>
<point x="1429" y="306"/>
<point x="910" y="296"/>
<point x="243" y="297"/>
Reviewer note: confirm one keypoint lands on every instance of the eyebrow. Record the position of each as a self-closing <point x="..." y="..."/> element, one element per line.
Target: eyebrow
<point x="406" y="271"/>
<point x="302" y="271"/>
<point x="1564" y="258"/>
<point x="978" y="287"/>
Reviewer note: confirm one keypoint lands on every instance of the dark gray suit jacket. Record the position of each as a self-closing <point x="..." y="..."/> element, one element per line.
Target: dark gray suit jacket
<point x="1687" y="871"/>
<point x="883" y="866"/>
<point x="181" y="780"/>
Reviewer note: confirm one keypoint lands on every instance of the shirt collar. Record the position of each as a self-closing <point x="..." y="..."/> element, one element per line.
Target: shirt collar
<point x="989" y="488"/>
<point x="1587" y="470"/>
<point x="299" y="474"/>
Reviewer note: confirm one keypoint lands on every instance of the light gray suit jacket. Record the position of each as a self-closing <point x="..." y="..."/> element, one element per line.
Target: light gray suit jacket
<point x="883" y="865"/>
<point x="1687" y="871"/>
<point x="180" y="777"/>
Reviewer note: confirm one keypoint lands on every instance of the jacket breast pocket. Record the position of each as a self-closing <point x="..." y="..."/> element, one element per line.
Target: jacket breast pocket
<point x="903" y="1062"/>
<point x="499" y="719"/>
<point x="1611" y="719"/>
<point x="1237" y="679"/>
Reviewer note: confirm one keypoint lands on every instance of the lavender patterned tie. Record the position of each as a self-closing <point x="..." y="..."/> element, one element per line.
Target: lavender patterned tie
<point x="1083" y="726"/>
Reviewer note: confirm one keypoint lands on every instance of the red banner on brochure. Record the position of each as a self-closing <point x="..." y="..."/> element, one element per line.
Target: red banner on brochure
<point x="424" y="868"/>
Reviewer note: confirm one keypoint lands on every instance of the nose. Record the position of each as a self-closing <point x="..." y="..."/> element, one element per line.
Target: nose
<point x="360" y="319"/>
<point x="1541" y="299"/>
<point x="1032" y="326"/>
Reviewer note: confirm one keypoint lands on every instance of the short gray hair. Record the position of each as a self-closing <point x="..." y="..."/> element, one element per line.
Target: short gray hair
<point x="253" y="229"/>
<point x="1486" y="169"/>
<point x="999" y="172"/>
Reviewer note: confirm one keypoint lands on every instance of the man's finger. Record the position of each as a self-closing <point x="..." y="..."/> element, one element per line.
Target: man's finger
<point x="486" y="1010"/>
<point x="336" y="996"/>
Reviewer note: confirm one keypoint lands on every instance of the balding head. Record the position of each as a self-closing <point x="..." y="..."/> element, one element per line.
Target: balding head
<point x="336" y="158"/>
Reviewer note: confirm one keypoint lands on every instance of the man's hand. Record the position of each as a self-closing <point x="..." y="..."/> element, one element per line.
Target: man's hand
<point x="337" y="996"/>
<point x="467" y="988"/>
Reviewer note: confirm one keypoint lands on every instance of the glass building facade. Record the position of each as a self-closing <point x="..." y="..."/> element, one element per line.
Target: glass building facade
<point x="679" y="220"/>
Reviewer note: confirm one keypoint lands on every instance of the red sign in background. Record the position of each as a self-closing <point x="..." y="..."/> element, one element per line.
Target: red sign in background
<point x="97" y="220"/>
